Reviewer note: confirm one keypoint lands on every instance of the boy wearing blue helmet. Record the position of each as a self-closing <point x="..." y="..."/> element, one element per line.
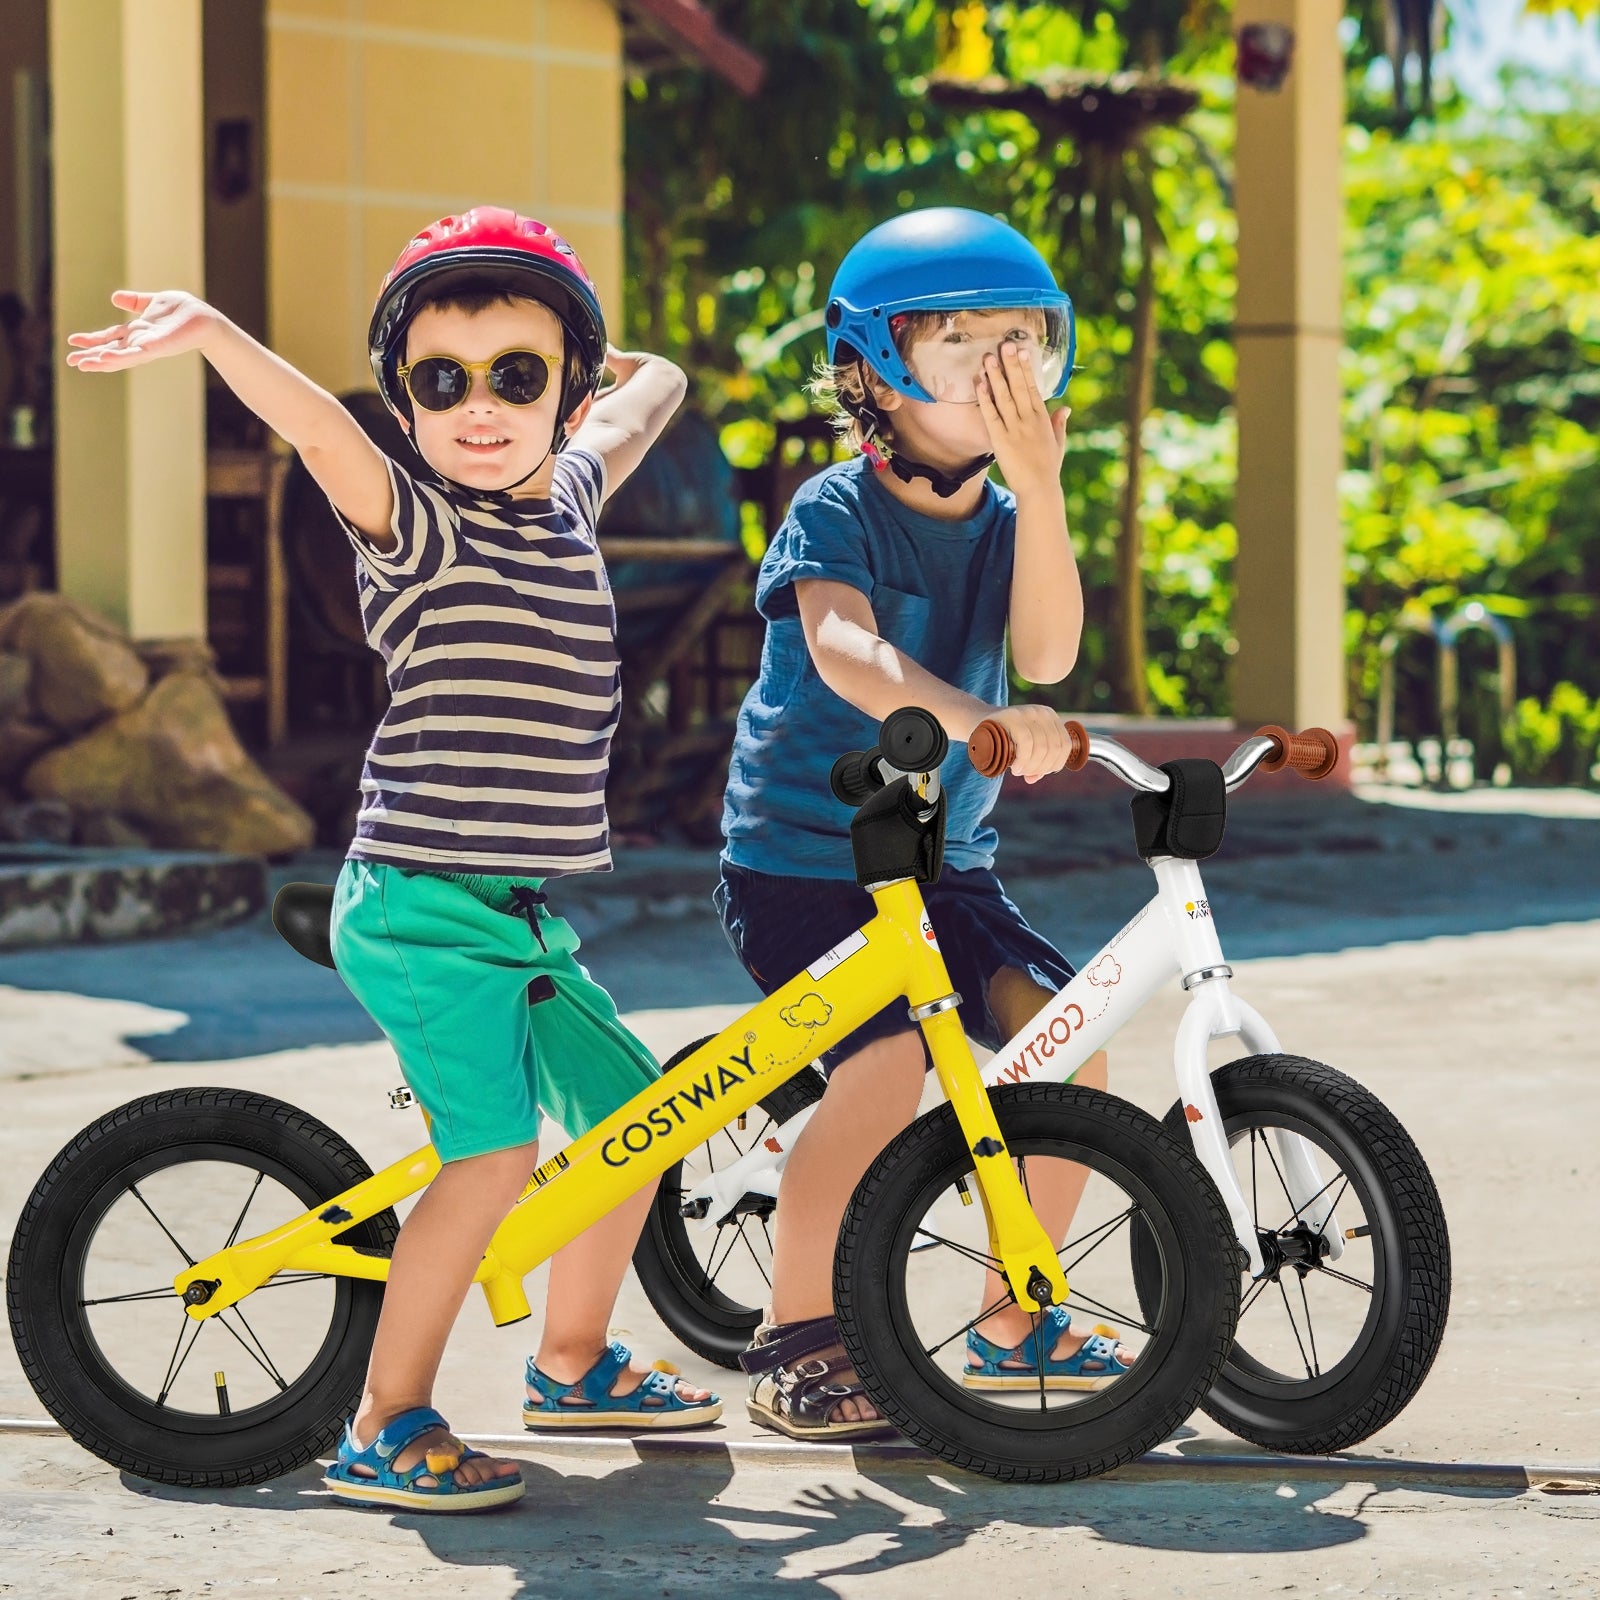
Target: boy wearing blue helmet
<point x="895" y="580"/>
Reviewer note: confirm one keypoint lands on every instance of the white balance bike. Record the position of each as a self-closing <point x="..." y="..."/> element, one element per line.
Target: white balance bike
<point x="1341" y="1234"/>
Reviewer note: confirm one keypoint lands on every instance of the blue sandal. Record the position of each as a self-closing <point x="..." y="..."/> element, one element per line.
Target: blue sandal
<point x="393" y="1488"/>
<point x="1093" y="1365"/>
<point x="589" y="1403"/>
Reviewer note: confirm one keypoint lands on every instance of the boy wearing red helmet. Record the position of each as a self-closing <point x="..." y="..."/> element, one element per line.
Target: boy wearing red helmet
<point x="483" y="589"/>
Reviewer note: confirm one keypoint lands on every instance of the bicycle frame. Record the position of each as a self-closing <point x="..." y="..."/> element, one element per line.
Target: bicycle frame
<point x="895" y="955"/>
<point x="1173" y="936"/>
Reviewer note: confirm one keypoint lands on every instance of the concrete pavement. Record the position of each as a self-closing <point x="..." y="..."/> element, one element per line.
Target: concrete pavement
<point x="1456" y="980"/>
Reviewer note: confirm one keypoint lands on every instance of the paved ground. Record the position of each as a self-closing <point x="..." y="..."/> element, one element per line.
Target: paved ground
<point x="1446" y="957"/>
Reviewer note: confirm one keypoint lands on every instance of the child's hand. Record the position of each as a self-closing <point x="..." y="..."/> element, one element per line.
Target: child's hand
<point x="1028" y="440"/>
<point x="622" y="364"/>
<point x="163" y="324"/>
<point x="1041" y="739"/>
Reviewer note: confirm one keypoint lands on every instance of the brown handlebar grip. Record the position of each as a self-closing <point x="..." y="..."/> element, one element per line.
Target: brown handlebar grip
<point x="991" y="749"/>
<point x="1313" y="754"/>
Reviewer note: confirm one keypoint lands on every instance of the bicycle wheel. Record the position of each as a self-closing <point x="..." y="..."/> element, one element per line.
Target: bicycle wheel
<point x="912" y="1263"/>
<point x="709" y="1283"/>
<point x="245" y="1395"/>
<point x="1327" y="1352"/>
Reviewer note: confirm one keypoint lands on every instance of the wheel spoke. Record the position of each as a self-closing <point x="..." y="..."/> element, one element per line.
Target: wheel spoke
<point x="180" y="1353"/>
<point x="164" y="1293"/>
<point x="1039" y="1358"/>
<point x="988" y="1311"/>
<point x="1343" y="1277"/>
<point x="1311" y="1332"/>
<point x="261" y="1359"/>
<point x="1099" y="1235"/>
<point x="133" y="1189"/>
<point x="753" y="1256"/>
<point x="979" y="1256"/>
<point x="239" y="1220"/>
<point x="710" y="1273"/>
<point x="1295" y="1216"/>
<point x="1289" y="1312"/>
<point x="1127" y="1319"/>
<point x="1253" y="1294"/>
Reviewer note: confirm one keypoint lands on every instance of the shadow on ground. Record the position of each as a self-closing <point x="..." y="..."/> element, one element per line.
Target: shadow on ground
<point x="1290" y="880"/>
<point x="670" y="1525"/>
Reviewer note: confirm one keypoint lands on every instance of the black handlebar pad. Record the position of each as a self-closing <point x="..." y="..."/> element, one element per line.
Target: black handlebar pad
<point x="855" y="777"/>
<point x="912" y="740"/>
<point x="909" y="740"/>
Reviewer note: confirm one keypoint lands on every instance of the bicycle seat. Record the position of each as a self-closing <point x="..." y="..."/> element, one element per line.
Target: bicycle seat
<point x="301" y="913"/>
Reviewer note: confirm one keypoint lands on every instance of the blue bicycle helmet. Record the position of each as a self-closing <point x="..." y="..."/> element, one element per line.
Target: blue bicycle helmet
<point x="939" y="258"/>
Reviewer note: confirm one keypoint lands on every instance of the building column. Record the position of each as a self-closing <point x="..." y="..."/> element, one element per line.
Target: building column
<point x="128" y="175"/>
<point x="1289" y="613"/>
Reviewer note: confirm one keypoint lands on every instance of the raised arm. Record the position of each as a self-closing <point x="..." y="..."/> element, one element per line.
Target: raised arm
<point x="1029" y="441"/>
<point x="343" y="460"/>
<point x="628" y="418"/>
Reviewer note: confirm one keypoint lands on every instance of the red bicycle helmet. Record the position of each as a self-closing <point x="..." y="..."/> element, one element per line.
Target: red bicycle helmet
<point x="493" y="246"/>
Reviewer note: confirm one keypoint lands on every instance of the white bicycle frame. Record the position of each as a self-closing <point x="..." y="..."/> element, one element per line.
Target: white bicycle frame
<point x="1174" y="935"/>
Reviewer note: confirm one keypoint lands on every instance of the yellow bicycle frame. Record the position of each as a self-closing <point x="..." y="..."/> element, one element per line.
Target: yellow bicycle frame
<point x="894" y="955"/>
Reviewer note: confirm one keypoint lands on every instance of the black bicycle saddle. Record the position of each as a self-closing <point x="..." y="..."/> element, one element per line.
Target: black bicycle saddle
<point x="301" y="913"/>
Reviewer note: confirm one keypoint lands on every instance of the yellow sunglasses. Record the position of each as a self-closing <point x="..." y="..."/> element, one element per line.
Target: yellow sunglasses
<point x="441" y="383"/>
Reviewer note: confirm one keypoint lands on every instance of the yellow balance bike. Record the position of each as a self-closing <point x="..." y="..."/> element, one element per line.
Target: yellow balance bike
<point x="195" y="1280"/>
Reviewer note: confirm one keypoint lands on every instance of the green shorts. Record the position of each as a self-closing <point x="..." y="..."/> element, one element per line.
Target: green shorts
<point x="442" y="963"/>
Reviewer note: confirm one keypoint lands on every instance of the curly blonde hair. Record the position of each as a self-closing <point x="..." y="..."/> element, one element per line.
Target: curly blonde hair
<point x="843" y="389"/>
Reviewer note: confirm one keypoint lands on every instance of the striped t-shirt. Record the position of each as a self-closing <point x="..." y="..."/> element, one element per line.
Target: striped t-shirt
<point x="495" y="622"/>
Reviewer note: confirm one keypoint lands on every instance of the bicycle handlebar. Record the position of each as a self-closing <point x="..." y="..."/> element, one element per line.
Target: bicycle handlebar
<point x="1313" y="754"/>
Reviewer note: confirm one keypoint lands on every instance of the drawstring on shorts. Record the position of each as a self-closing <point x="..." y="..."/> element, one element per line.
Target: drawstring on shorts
<point x="526" y="902"/>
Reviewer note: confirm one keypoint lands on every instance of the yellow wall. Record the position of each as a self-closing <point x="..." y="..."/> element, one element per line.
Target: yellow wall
<point x="128" y="212"/>
<point x="383" y="115"/>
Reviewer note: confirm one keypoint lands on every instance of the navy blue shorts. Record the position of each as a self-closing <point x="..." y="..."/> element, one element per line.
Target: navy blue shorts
<point x="779" y="925"/>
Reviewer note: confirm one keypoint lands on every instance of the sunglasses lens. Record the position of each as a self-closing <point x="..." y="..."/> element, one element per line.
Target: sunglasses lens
<point x="438" y="383"/>
<point x="519" y="377"/>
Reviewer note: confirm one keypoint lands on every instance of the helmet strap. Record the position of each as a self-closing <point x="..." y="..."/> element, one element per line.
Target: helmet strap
<point x="944" y="484"/>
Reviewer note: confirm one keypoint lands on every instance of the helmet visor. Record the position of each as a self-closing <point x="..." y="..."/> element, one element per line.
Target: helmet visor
<point x="946" y="351"/>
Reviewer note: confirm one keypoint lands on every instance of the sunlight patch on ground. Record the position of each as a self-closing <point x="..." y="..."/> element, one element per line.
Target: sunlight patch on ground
<point x="47" y="1032"/>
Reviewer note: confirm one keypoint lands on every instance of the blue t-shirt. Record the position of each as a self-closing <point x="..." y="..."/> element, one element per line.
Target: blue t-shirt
<point x="940" y="592"/>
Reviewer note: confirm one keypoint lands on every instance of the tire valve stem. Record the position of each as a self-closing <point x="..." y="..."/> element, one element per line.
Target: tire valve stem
<point x="963" y="1191"/>
<point x="743" y="1119"/>
<point x="1363" y="1232"/>
<point x="221" y="1380"/>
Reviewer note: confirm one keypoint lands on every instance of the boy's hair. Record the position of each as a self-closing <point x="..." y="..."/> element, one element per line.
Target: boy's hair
<point x="476" y="294"/>
<point x="842" y="390"/>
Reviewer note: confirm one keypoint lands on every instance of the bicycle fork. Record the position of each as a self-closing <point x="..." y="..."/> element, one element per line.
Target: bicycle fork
<point x="1216" y="1012"/>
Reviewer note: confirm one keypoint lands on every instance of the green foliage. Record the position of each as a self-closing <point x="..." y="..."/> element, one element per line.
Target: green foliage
<point x="1472" y="369"/>
<point x="1472" y="414"/>
<point x="1557" y="742"/>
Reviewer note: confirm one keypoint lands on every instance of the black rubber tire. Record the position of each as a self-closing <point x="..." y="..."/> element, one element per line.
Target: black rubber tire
<point x="1378" y="1376"/>
<point x="709" y="1322"/>
<point x="58" y="1350"/>
<point x="1180" y="1363"/>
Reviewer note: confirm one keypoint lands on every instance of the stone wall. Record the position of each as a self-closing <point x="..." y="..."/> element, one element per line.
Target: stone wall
<point x="107" y="742"/>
